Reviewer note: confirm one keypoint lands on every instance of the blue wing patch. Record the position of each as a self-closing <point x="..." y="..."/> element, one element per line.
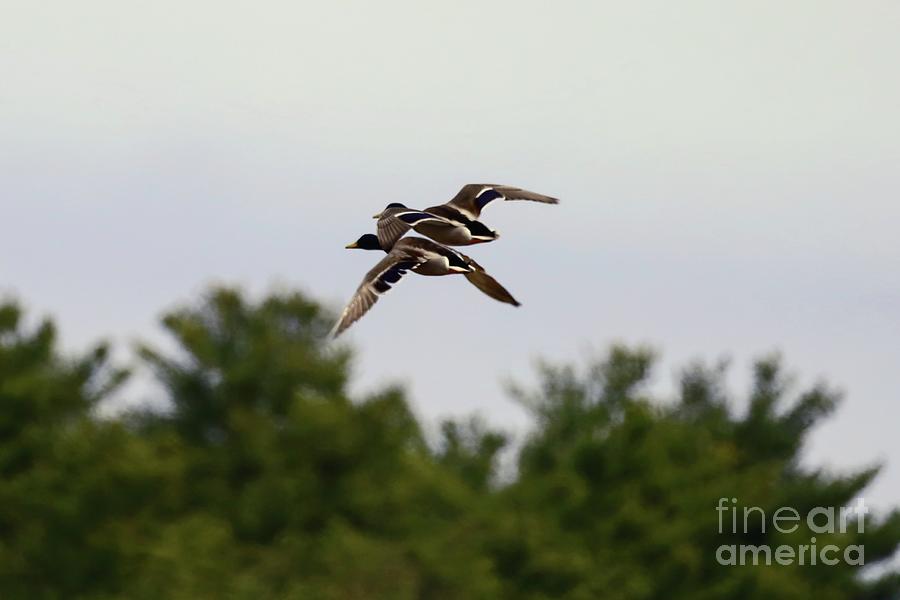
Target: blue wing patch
<point x="392" y="276"/>
<point x="411" y="218"/>
<point x="486" y="196"/>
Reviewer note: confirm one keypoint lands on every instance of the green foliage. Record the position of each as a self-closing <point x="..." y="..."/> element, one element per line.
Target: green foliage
<point x="263" y="479"/>
<point x="619" y="483"/>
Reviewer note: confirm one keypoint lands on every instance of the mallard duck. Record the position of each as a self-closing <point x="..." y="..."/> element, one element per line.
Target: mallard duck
<point x="454" y="223"/>
<point x="419" y="256"/>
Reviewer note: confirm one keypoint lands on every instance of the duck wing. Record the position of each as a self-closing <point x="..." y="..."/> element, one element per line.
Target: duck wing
<point x="473" y="197"/>
<point x="491" y="287"/>
<point x="378" y="281"/>
<point x="487" y="284"/>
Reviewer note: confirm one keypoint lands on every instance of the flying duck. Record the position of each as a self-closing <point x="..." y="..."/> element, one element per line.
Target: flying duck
<point x="420" y="256"/>
<point x="456" y="222"/>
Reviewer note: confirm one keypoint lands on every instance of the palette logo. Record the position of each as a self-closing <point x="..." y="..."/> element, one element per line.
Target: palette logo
<point x="821" y="520"/>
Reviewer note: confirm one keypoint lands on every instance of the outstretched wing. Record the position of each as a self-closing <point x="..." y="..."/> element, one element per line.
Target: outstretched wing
<point x="395" y="222"/>
<point x="487" y="284"/>
<point x="472" y="198"/>
<point x="378" y="281"/>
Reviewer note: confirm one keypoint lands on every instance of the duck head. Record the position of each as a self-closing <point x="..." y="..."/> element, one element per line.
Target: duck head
<point x="365" y="242"/>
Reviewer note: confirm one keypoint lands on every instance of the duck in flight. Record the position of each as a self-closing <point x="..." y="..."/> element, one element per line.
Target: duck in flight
<point x="420" y="256"/>
<point x="454" y="223"/>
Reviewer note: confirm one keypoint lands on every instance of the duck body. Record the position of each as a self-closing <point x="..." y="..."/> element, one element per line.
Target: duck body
<point x="437" y="223"/>
<point x="455" y="223"/>
<point x="437" y="260"/>
<point x="417" y="255"/>
<point x="464" y="232"/>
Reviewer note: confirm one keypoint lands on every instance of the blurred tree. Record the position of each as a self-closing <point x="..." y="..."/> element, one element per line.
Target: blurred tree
<point x="263" y="479"/>
<point x="618" y="493"/>
<point x="305" y="493"/>
<point x="64" y="478"/>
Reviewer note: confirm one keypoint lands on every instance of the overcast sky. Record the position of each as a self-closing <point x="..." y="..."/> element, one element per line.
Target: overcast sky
<point x="728" y="174"/>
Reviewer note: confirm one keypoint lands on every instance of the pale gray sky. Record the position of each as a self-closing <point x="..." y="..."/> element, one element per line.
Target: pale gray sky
<point x="729" y="177"/>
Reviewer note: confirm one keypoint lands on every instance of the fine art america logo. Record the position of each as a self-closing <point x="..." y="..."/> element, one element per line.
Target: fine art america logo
<point x="820" y="521"/>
